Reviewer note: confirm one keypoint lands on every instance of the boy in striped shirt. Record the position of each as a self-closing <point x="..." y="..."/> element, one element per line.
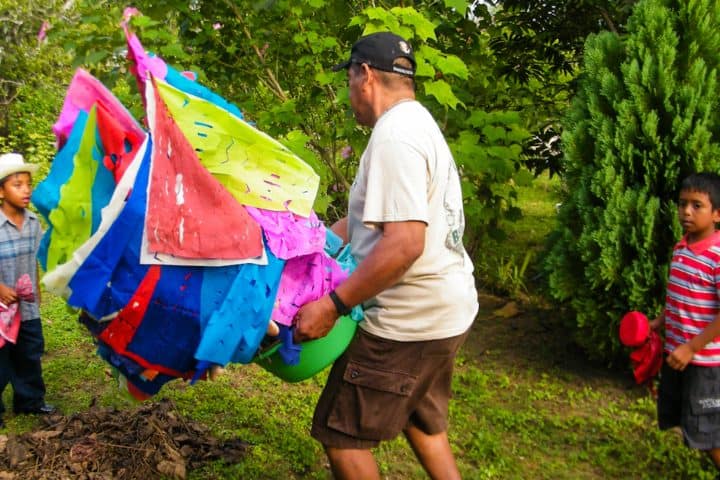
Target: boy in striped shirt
<point x="689" y="393"/>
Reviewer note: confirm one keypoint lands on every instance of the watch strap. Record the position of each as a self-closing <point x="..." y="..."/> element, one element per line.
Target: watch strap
<point x="340" y="306"/>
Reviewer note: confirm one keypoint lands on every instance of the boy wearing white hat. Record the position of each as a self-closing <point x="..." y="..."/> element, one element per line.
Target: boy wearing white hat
<point x="20" y="234"/>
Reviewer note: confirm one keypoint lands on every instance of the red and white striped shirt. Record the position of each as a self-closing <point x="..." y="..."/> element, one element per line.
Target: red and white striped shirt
<point x="693" y="296"/>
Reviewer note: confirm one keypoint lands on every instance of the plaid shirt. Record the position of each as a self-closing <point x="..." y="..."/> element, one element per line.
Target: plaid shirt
<point x="18" y="255"/>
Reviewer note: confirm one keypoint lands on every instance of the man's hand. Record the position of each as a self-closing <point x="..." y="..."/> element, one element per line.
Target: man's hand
<point x="680" y="357"/>
<point x="315" y="319"/>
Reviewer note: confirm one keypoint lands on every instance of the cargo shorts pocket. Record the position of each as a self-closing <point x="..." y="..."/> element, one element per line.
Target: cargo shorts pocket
<point x="703" y="396"/>
<point x="372" y="404"/>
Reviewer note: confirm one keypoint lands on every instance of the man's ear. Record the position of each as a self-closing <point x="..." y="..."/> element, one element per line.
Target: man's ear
<point x="367" y="72"/>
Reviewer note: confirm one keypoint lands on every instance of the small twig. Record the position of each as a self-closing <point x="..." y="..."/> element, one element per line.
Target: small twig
<point x="608" y="20"/>
<point x="114" y="445"/>
<point x="271" y="80"/>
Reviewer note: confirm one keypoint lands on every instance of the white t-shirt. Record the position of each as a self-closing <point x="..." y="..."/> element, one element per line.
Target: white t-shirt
<point x="407" y="173"/>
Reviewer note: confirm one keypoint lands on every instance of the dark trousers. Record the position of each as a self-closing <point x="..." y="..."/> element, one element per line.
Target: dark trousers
<point x="20" y="366"/>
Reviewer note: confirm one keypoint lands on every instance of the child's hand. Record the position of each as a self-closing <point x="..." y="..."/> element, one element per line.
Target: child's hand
<point x="680" y="357"/>
<point x="7" y="294"/>
<point x="657" y="323"/>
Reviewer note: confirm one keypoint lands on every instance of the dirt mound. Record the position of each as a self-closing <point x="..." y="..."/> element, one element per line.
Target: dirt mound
<point x="106" y="443"/>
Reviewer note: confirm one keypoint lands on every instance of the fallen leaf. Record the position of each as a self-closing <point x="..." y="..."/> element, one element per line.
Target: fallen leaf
<point x="17" y="452"/>
<point x="215" y="372"/>
<point x="172" y="469"/>
<point x="509" y="310"/>
<point x="45" y="434"/>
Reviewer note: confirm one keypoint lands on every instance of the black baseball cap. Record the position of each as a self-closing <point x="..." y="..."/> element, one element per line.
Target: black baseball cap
<point x="379" y="50"/>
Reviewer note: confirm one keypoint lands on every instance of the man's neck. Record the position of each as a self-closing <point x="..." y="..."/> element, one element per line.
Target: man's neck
<point x="388" y="102"/>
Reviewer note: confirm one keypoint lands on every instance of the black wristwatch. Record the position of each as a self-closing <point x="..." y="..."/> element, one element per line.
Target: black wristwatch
<point x="341" y="308"/>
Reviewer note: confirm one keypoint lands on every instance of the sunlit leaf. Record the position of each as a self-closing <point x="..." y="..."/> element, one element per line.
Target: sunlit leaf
<point x="442" y="91"/>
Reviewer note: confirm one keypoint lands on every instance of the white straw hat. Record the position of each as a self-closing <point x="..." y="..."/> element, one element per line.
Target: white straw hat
<point x="14" y="163"/>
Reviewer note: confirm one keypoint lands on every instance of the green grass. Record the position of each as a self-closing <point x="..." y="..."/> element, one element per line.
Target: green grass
<point x="512" y="266"/>
<point x="525" y="406"/>
<point x="538" y="204"/>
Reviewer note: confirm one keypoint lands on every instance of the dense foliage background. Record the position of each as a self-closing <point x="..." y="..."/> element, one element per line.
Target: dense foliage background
<point x="499" y="76"/>
<point x="600" y="105"/>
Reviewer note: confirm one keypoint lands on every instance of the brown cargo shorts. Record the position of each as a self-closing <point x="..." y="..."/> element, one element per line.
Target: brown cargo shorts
<point x="379" y="387"/>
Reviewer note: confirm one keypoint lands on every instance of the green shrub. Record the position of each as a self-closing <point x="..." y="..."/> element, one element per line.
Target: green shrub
<point x="644" y="118"/>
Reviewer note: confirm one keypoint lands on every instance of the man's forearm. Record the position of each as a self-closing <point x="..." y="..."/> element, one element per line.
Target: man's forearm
<point x="395" y="252"/>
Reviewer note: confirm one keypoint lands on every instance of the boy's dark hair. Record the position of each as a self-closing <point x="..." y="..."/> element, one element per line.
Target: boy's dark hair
<point x="704" y="182"/>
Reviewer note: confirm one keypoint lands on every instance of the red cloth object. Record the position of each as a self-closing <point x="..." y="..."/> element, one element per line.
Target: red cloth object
<point x="121" y="330"/>
<point x="136" y="393"/>
<point x="84" y="91"/>
<point x="647" y="359"/>
<point x="10" y="315"/>
<point x="120" y="142"/>
<point x="634" y="329"/>
<point x="190" y="214"/>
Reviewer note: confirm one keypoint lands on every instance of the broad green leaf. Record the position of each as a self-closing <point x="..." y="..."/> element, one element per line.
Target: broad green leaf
<point x="493" y="134"/>
<point x="297" y="141"/>
<point x="460" y="6"/>
<point x="172" y="50"/>
<point x="515" y="149"/>
<point x="505" y="116"/>
<point x="452" y="65"/>
<point x="517" y="134"/>
<point x="424" y="29"/>
<point x="150" y="35"/>
<point x="523" y="178"/>
<point x="477" y="118"/>
<point x="498" y="151"/>
<point x="424" y="69"/>
<point x="325" y="77"/>
<point x="391" y="24"/>
<point x="329" y="42"/>
<point x="306" y="60"/>
<point x="91" y="19"/>
<point x="140" y="21"/>
<point x="442" y="92"/>
<point x="431" y="54"/>
<point x="94" y="57"/>
<point x="376" y="13"/>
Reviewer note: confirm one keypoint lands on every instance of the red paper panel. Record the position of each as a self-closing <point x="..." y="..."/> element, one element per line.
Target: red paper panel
<point x="190" y="214"/>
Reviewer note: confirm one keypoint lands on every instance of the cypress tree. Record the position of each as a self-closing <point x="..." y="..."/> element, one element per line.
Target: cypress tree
<point x="645" y="116"/>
